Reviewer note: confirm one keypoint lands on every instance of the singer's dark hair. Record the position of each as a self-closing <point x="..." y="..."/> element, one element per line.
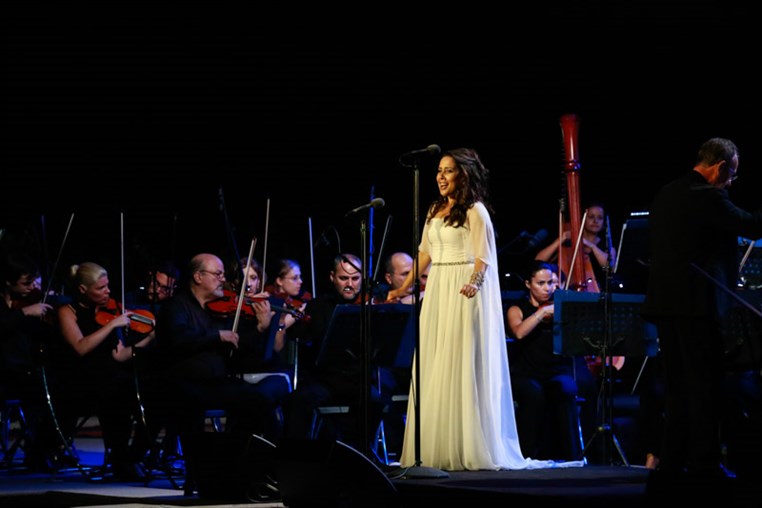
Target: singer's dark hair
<point x="471" y="187"/>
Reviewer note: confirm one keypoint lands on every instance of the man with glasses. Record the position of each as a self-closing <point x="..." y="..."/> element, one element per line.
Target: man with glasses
<point x="160" y="284"/>
<point x="196" y="349"/>
<point x="693" y="239"/>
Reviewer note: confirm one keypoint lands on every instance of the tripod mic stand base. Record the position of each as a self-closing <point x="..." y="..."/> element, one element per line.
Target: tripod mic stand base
<point x="420" y="473"/>
<point x="610" y="439"/>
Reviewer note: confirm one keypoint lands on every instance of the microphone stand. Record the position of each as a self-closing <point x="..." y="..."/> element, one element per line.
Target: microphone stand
<point x="418" y="471"/>
<point x="605" y="428"/>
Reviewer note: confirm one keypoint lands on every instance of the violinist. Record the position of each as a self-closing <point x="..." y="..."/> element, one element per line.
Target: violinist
<point x="396" y="268"/>
<point x="94" y="366"/>
<point x="22" y="335"/>
<point x="545" y="385"/>
<point x="197" y="348"/>
<point x="287" y="289"/>
<point x="260" y="327"/>
<point x="160" y="283"/>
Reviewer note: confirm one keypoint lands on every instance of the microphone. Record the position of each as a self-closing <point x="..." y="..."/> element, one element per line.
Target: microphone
<point x="376" y="203"/>
<point x="429" y="150"/>
<point x="536" y="239"/>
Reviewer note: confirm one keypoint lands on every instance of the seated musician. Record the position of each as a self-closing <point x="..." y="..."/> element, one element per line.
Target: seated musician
<point x="22" y="335"/>
<point x="261" y="327"/>
<point x="545" y="385"/>
<point x="159" y="285"/>
<point x="396" y="268"/>
<point x="319" y="386"/>
<point x="597" y="253"/>
<point x="93" y="366"/>
<point x="196" y="348"/>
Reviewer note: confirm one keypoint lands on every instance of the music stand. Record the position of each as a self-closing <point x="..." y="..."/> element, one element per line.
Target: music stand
<point x="597" y="324"/>
<point x="750" y="256"/>
<point x="390" y="343"/>
<point x="579" y="325"/>
<point x="391" y="337"/>
<point x="633" y="256"/>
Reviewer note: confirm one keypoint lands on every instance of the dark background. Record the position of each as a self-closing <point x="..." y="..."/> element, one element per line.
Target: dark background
<point x="158" y="112"/>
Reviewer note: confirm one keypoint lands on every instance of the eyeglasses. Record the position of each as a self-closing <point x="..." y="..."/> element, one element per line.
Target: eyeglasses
<point x="220" y="275"/>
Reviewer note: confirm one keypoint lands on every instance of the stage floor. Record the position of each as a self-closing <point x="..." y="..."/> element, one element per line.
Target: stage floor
<point x="589" y="486"/>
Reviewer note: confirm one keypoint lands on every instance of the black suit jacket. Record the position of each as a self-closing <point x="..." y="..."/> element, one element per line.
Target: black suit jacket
<point x="693" y="222"/>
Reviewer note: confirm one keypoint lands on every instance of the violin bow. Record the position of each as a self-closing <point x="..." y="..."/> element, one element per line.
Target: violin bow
<point x="121" y="253"/>
<point x="264" y="254"/>
<point x="122" y="337"/>
<point x="133" y="317"/>
<point x="312" y="256"/>
<point x="243" y="285"/>
<point x="44" y="370"/>
<point x="173" y="242"/>
<point x="58" y="258"/>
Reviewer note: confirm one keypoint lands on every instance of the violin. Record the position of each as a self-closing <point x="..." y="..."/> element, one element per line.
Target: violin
<point x="294" y="303"/>
<point x="227" y="305"/>
<point x="19" y="301"/>
<point x="299" y="302"/>
<point x="36" y="296"/>
<point x="368" y="298"/>
<point x="141" y="321"/>
<point x="547" y="303"/>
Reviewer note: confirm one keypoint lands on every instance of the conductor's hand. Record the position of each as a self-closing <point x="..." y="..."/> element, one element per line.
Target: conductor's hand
<point x="229" y="336"/>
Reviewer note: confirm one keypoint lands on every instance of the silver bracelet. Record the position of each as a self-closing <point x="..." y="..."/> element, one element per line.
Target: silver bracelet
<point x="477" y="279"/>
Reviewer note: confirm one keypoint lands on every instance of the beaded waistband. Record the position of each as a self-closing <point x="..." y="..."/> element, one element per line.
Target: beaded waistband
<point x="454" y="263"/>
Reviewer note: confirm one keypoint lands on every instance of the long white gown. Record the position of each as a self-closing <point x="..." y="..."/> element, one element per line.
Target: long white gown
<point x="466" y="404"/>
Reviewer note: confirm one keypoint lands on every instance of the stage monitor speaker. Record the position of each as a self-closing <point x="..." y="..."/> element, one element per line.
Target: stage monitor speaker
<point x="231" y="467"/>
<point x="322" y="473"/>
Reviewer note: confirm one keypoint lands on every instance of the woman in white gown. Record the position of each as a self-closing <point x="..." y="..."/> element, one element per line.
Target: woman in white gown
<point x="466" y="405"/>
